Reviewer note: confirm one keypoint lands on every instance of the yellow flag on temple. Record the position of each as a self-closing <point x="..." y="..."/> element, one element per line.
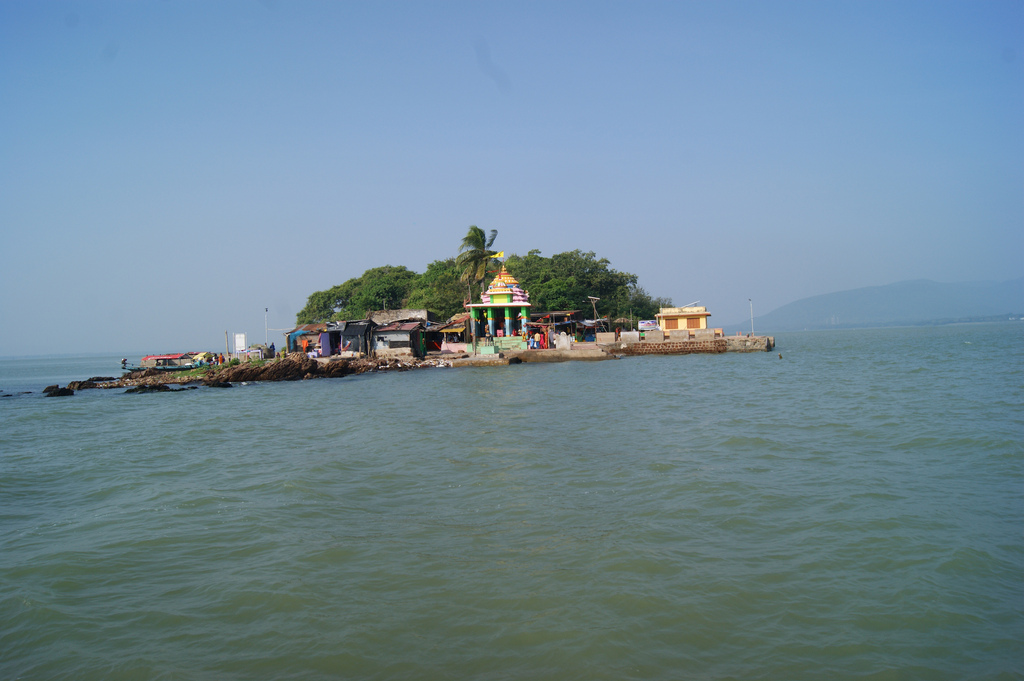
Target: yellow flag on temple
<point x="499" y="254"/>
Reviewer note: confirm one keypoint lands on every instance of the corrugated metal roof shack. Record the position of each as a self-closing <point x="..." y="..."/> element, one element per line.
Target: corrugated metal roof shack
<point x="554" y="322"/>
<point x="562" y="320"/>
<point x="382" y="317"/>
<point x="307" y="332"/>
<point x="400" y="339"/>
<point x="450" y="336"/>
<point x="348" y="339"/>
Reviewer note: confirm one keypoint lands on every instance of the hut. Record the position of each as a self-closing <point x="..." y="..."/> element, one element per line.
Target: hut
<point x="558" y="320"/>
<point x="382" y="317"/>
<point x="347" y="339"/>
<point x="403" y="339"/>
<point x="450" y="337"/>
<point x="310" y="333"/>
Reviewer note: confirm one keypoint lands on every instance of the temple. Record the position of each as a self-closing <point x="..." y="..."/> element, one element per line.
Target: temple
<point x="506" y="305"/>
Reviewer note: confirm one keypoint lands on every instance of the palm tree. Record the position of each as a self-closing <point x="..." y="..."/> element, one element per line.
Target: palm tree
<point x="474" y="256"/>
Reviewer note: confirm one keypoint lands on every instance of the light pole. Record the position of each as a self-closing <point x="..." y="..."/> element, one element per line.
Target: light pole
<point x="593" y="303"/>
<point x="751" y="316"/>
<point x="266" y="333"/>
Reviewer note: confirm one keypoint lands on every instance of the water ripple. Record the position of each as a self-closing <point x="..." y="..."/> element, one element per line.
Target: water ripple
<point x="853" y="511"/>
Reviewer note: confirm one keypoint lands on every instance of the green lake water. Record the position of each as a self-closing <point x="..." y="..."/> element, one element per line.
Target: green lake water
<point x="854" y="510"/>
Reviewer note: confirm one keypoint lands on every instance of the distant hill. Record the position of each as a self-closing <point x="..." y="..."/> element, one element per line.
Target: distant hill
<point x="907" y="303"/>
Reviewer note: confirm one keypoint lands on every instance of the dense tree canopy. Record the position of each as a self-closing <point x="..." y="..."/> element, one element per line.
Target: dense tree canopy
<point x="380" y="288"/>
<point x="562" y="282"/>
<point x="566" y="280"/>
<point x="439" y="290"/>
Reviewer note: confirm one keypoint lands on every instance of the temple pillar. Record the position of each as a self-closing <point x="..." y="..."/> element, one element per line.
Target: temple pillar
<point x="490" y="321"/>
<point x="508" y="321"/>
<point x="474" y="320"/>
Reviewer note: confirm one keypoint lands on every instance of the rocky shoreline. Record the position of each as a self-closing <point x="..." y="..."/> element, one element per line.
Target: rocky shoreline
<point x="299" y="367"/>
<point x="293" y="367"/>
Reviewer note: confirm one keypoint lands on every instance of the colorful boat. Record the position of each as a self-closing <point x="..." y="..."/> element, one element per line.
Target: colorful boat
<point x="177" y="362"/>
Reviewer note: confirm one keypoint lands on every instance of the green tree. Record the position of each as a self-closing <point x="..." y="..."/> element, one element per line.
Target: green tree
<point x="322" y="306"/>
<point x="379" y="288"/>
<point x="641" y="305"/>
<point x="474" y="257"/>
<point x="565" y="280"/>
<point x="382" y="288"/>
<point x="439" y="290"/>
<point x="561" y="282"/>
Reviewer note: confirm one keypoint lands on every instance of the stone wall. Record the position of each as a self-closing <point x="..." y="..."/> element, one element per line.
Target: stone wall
<point x="455" y="348"/>
<point x="715" y="346"/>
<point x="504" y="343"/>
<point x="382" y="317"/>
<point x="750" y="343"/>
<point x="394" y="353"/>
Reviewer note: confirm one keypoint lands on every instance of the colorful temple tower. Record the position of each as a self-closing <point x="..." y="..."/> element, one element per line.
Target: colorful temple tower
<point x="504" y="299"/>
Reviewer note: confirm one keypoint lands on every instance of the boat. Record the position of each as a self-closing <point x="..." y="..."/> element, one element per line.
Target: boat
<point x="176" y="362"/>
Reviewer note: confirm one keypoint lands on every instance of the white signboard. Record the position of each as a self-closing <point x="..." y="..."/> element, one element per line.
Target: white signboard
<point x="240" y="343"/>
<point x="648" y="324"/>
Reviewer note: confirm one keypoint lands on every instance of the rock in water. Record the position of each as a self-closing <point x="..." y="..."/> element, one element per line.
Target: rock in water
<point x="155" y="388"/>
<point x="293" y="368"/>
<point x="81" y="385"/>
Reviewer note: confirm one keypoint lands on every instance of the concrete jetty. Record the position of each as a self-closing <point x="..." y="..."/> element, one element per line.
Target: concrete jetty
<point x="609" y="348"/>
<point x="705" y="341"/>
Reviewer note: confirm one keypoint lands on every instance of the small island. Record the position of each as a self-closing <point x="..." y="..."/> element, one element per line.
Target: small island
<point x="479" y="308"/>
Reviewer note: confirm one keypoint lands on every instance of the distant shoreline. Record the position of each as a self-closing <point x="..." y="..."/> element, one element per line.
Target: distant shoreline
<point x="999" y="319"/>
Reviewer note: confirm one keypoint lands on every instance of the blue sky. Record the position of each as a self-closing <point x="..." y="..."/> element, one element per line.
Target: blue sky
<point x="170" y="169"/>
